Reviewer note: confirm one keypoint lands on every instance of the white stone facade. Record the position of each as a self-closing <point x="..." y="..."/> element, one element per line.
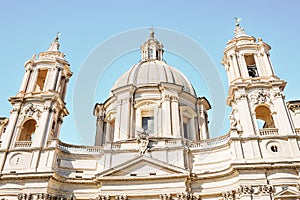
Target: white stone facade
<point x="152" y="139"/>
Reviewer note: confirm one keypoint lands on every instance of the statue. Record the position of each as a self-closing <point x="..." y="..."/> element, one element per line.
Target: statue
<point x="237" y="21"/>
<point x="234" y="121"/>
<point x="143" y="140"/>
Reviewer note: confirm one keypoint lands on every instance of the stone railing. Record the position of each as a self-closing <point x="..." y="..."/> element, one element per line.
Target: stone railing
<point x="23" y="144"/>
<point x="268" y="131"/>
<point x="78" y="149"/>
<point x="210" y="143"/>
<point x="297" y="130"/>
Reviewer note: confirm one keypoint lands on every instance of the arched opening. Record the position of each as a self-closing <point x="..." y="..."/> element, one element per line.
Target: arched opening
<point x="251" y="66"/>
<point x="40" y="82"/>
<point x="27" y="130"/>
<point x="264" y="117"/>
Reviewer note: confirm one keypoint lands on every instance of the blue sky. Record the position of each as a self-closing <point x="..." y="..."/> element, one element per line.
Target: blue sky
<point x="27" y="27"/>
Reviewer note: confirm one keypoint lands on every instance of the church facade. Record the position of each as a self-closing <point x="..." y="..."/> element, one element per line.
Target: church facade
<point x="152" y="137"/>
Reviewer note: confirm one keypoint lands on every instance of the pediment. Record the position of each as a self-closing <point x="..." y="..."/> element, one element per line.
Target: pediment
<point x="286" y="194"/>
<point x="143" y="166"/>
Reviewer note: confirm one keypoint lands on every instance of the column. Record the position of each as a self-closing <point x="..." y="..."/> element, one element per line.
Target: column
<point x="57" y="79"/>
<point x="124" y="118"/>
<point x="117" y="134"/>
<point x="25" y="80"/>
<point x="10" y="132"/>
<point x="31" y="84"/>
<point x="166" y="117"/>
<point x="261" y="68"/>
<point x="108" y="132"/>
<point x="283" y="120"/>
<point x="246" y="118"/>
<point x="236" y="66"/>
<point x="243" y="66"/>
<point x="175" y="117"/>
<point x="99" y="131"/>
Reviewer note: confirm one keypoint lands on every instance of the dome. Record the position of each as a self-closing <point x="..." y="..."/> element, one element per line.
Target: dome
<point x="153" y="72"/>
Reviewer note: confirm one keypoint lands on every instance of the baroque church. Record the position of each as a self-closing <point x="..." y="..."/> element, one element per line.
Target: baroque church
<point x="152" y="137"/>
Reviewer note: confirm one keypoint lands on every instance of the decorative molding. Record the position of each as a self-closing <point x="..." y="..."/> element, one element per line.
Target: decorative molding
<point x="265" y="189"/>
<point x="30" y="111"/>
<point x="103" y="197"/>
<point x="165" y="197"/>
<point x="229" y="195"/>
<point x="42" y="196"/>
<point x="248" y="190"/>
<point x="256" y="189"/>
<point x="260" y="97"/>
<point x="279" y="94"/>
<point x="239" y="97"/>
<point x="188" y="196"/>
<point x="121" y="197"/>
<point x="245" y="189"/>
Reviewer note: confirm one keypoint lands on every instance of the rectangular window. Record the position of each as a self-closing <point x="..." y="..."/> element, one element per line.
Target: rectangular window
<point x="251" y="66"/>
<point x="185" y="130"/>
<point x="148" y="124"/>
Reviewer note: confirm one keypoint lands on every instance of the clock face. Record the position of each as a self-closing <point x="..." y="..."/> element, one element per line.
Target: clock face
<point x="17" y="160"/>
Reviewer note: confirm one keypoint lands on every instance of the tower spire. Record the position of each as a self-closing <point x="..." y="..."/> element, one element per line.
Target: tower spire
<point x="54" y="46"/>
<point x="151" y="32"/>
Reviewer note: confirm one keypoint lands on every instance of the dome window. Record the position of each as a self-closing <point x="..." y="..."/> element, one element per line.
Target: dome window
<point x="148" y="121"/>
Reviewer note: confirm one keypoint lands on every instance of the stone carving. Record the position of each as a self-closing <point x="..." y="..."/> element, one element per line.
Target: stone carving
<point x="235" y="123"/>
<point x="22" y="196"/>
<point x="39" y="196"/>
<point x="239" y="97"/>
<point x="165" y="197"/>
<point x="269" y="189"/>
<point x="245" y="189"/>
<point x="103" y="197"/>
<point x="188" y="196"/>
<point x="258" y="189"/>
<point x="29" y="110"/>
<point x="278" y="95"/>
<point x="229" y="195"/>
<point x="121" y="197"/>
<point x="143" y="140"/>
<point x="260" y="97"/>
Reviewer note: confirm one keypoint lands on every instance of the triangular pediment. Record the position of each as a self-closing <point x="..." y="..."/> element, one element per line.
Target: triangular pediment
<point x="286" y="194"/>
<point x="143" y="166"/>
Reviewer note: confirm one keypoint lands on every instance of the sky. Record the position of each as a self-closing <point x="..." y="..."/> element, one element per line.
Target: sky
<point x="28" y="27"/>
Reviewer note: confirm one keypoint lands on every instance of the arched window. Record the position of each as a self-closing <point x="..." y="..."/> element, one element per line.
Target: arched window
<point x="27" y="130"/>
<point x="264" y="117"/>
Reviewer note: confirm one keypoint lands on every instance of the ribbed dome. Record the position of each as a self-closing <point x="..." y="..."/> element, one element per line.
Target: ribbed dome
<point x="153" y="72"/>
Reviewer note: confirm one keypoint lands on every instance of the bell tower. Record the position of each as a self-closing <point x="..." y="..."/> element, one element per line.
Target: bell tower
<point x="255" y="92"/>
<point x="38" y="108"/>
